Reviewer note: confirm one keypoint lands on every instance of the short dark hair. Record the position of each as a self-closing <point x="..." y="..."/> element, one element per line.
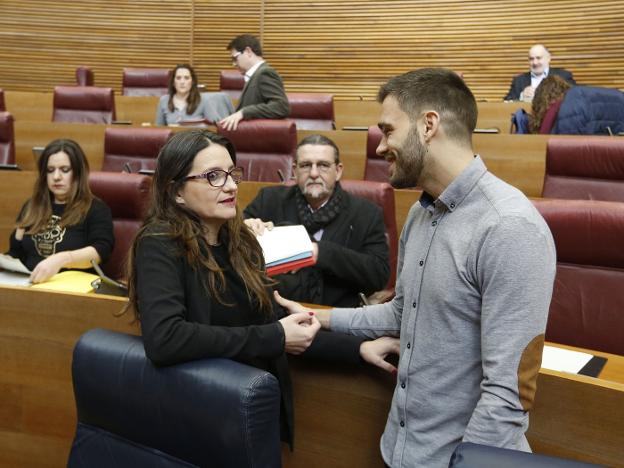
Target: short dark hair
<point x="440" y="89"/>
<point x="319" y="140"/>
<point x="240" y="43"/>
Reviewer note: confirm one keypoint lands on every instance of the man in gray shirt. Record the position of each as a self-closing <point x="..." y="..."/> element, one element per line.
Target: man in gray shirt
<point x="475" y="276"/>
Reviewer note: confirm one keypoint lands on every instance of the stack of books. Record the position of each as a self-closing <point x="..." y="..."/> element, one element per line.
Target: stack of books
<point x="286" y="248"/>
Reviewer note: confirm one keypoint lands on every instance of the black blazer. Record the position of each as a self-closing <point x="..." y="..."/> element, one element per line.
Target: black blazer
<point x="263" y="96"/>
<point x="524" y="79"/>
<point x="177" y="323"/>
<point x="353" y="252"/>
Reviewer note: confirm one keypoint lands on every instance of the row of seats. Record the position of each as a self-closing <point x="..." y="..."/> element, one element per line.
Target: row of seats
<point x="90" y="104"/>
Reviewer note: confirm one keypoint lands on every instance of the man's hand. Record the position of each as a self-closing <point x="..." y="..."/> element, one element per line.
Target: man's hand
<point x="299" y="331"/>
<point x="374" y="352"/>
<point x="527" y="93"/>
<point x="258" y="226"/>
<point x="292" y="307"/>
<point x="231" y="121"/>
<point x="49" y="267"/>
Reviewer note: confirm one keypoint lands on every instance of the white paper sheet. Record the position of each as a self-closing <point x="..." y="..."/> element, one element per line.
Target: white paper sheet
<point x="9" y="263"/>
<point x="11" y="278"/>
<point x="283" y="242"/>
<point x="564" y="360"/>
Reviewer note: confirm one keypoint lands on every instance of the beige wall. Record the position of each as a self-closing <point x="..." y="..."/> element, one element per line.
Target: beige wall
<point x="344" y="47"/>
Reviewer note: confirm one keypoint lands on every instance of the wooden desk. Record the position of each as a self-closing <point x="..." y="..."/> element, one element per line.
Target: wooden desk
<point x="37" y="106"/>
<point x="340" y="411"/>
<point x="517" y="159"/>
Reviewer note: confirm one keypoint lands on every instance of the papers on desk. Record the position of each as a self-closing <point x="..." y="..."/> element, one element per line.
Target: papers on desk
<point x="12" y="278"/>
<point x="286" y="248"/>
<point x="13" y="264"/>
<point x="69" y="281"/>
<point x="573" y="362"/>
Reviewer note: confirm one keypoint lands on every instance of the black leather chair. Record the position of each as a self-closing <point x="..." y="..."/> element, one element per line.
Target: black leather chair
<point x="210" y="412"/>
<point x="469" y="455"/>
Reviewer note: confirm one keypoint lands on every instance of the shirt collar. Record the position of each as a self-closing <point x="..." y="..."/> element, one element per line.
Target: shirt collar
<point x="249" y="73"/>
<point x="543" y="75"/>
<point x="457" y="190"/>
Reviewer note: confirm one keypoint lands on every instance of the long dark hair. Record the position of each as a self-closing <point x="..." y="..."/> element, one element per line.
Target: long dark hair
<point x="167" y="217"/>
<point x="552" y="89"/>
<point x="38" y="210"/>
<point x="193" y="99"/>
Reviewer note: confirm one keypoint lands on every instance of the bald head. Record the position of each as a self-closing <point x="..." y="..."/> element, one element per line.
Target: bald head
<point x="539" y="59"/>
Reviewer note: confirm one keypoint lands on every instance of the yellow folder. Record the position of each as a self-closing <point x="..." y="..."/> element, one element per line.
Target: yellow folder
<point x="69" y="281"/>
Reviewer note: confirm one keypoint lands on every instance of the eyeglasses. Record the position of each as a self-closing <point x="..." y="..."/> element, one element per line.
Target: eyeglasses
<point x="218" y="177"/>
<point x="321" y="166"/>
<point x="235" y="56"/>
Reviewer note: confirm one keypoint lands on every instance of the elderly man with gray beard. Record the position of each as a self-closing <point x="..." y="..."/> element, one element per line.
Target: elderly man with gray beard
<point x="348" y="232"/>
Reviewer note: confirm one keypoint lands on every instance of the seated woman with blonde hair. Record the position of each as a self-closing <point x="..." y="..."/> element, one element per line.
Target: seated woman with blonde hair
<point x="62" y="225"/>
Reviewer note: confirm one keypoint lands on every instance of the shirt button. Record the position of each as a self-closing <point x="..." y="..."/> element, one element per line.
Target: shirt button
<point x="421" y="263"/>
<point x="434" y="223"/>
<point x="402" y="384"/>
<point x="409" y="345"/>
<point x="414" y="305"/>
<point x="452" y="205"/>
<point x="402" y="423"/>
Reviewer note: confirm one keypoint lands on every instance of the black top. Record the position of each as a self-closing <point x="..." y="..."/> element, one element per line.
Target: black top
<point x="182" y="321"/>
<point x="523" y="80"/>
<point x="95" y="230"/>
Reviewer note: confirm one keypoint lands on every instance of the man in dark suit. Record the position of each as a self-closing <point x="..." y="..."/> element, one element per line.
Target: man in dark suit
<point x="263" y="96"/>
<point x="523" y="86"/>
<point x="348" y="233"/>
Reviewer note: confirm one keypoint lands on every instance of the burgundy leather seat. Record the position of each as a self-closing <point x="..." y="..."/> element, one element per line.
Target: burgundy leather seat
<point x="585" y="168"/>
<point x="231" y="82"/>
<point x="2" y="105"/>
<point x="136" y="147"/>
<point x="83" y="104"/>
<point x="127" y="197"/>
<point x="84" y="76"/>
<point x="381" y="194"/>
<point x="312" y="111"/>
<point x="7" y="139"/>
<point x="263" y="147"/>
<point x="145" y="81"/>
<point x="376" y="167"/>
<point x="588" y="298"/>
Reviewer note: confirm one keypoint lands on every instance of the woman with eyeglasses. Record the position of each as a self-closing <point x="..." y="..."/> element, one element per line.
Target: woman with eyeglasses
<point x="197" y="281"/>
<point x="62" y="226"/>
<point x="184" y="102"/>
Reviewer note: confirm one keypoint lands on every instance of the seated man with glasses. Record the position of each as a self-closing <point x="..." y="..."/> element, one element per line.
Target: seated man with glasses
<point x="348" y="232"/>
<point x="263" y="96"/>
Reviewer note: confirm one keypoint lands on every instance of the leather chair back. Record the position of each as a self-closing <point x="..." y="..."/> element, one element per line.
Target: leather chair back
<point x="7" y="139"/>
<point x="145" y="81"/>
<point x="470" y="455"/>
<point x="127" y="196"/>
<point x="312" y="111"/>
<point x="376" y="167"/>
<point x="263" y="147"/>
<point x="587" y="303"/>
<point x="585" y="168"/>
<point x="381" y="194"/>
<point x="231" y="82"/>
<point x="208" y="412"/>
<point x="135" y="147"/>
<point x="84" y="76"/>
<point x="83" y="104"/>
<point x="2" y="105"/>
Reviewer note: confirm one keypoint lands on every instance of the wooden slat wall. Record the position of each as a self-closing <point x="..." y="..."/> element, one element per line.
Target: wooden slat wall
<point x="344" y="47"/>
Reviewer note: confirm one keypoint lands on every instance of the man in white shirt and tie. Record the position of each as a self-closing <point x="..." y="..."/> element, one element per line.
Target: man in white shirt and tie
<point x="523" y="86"/>
<point x="263" y="96"/>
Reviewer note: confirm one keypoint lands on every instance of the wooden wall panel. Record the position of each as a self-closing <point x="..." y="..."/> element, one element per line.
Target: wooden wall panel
<point x="345" y="47"/>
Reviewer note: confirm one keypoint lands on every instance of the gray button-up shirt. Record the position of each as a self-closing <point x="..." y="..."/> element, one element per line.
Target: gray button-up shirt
<point x="475" y="275"/>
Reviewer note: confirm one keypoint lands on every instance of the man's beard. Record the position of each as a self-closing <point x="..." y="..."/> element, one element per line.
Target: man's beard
<point x="408" y="163"/>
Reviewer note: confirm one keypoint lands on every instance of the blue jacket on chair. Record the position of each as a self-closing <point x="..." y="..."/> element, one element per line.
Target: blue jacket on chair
<point x="588" y="110"/>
